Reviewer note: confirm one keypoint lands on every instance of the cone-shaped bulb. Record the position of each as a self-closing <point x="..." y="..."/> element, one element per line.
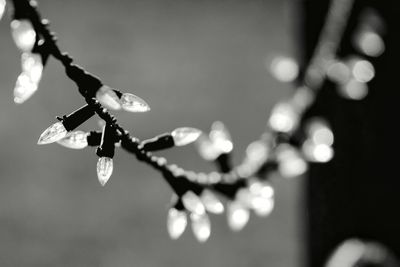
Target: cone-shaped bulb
<point x="52" y="134"/>
<point x="32" y="65"/>
<point x="104" y="169"/>
<point x="108" y="98"/>
<point x="176" y="223"/>
<point x="220" y="137"/>
<point x="75" y="140"/>
<point x="201" y="226"/>
<point x="185" y="135"/>
<point x="23" y="34"/>
<point x="238" y="216"/>
<point x="2" y="7"/>
<point x="211" y="202"/>
<point x="284" y="118"/>
<point x="193" y="203"/>
<point x="24" y="88"/>
<point x="133" y="103"/>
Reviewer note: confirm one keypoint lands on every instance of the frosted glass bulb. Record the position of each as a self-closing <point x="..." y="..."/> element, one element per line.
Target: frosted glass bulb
<point x="133" y="103"/>
<point x="201" y="226"/>
<point x="238" y="216"/>
<point x="220" y="137"/>
<point x="23" y="34"/>
<point x="193" y="203"/>
<point x="185" y="135"/>
<point x="104" y="169"/>
<point x="53" y="134"/>
<point x="2" y="7"/>
<point x="75" y="140"/>
<point x="211" y="202"/>
<point x="283" y="118"/>
<point x="24" y="88"/>
<point x="32" y="65"/>
<point x="176" y="223"/>
<point x="108" y="98"/>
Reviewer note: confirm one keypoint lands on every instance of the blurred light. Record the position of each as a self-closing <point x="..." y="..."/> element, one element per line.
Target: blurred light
<point x="220" y="137"/>
<point x="206" y="148"/>
<point x="257" y="151"/>
<point x="317" y="152"/>
<point x="185" y="135"/>
<point x="23" y="34"/>
<point x="354" y="90"/>
<point x="211" y="202"/>
<point x="290" y="163"/>
<point x="284" y="69"/>
<point x="238" y="216"/>
<point x="263" y="206"/>
<point x="133" y="103"/>
<point x="319" y="132"/>
<point x="104" y="169"/>
<point x="2" y="7"/>
<point x="283" y="118"/>
<point x="201" y="226"/>
<point x="363" y="71"/>
<point x="108" y="98"/>
<point x="370" y="43"/>
<point x="74" y="140"/>
<point x="347" y="254"/>
<point x="24" y="88"/>
<point x="52" y="134"/>
<point x="193" y="203"/>
<point x="263" y="189"/>
<point x="176" y="223"/>
<point x="302" y="98"/>
<point x="339" y="72"/>
<point x="32" y="66"/>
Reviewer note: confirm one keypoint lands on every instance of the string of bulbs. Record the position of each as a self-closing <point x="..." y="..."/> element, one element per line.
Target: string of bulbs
<point x="286" y="145"/>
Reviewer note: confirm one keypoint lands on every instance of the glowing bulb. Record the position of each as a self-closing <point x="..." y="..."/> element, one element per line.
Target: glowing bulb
<point x="108" y="98"/>
<point x="370" y="43"/>
<point x="32" y="65"/>
<point x="319" y="132"/>
<point x="354" y="90"/>
<point x="363" y="71"/>
<point x="220" y="137"/>
<point x="52" y="134"/>
<point x="263" y="206"/>
<point x="104" y="169"/>
<point x="2" y="7"/>
<point x="263" y="189"/>
<point x="201" y="226"/>
<point x="176" y="223"/>
<point x="257" y="152"/>
<point x="284" y="69"/>
<point x="238" y="216"/>
<point x="339" y="72"/>
<point x="317" y="152"/>
<point x="133" y="103"/>
<point x="211" y="202"/>
<point x="283" y="118"/>
<point x="193" y="203"/>
<point x="206" y="148"/>
<point x="185" y="135"/>
<point x="75" y="140"/>
<point x="24" y="34"/>
<point x="24" y="88"/>
<point x="291" y="164"/>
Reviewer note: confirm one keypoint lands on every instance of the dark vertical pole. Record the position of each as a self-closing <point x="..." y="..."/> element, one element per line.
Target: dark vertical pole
<point x="357" y="194"/>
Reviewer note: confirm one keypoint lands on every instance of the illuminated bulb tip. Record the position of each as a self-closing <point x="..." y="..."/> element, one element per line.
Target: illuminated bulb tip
<point x="283" y="118"/>
<point x="284" y="69"/>
<point x="221" y="137"/>
<point x="133" y="103"/>
<point x="193" y="203"/>
<point x="108" y="98"/>
<point x="206" y="148"/>
<point x="185" y="135"/>
<point x="52" y="134"/>
<point x="104" y="169"/>
<point x="263" y="206"/>
<point x="317" y="152"/>
<point x="176" y="223"/>
<point x="75" y="140"/>
<point x="23" y="34"/>
<point x="290" y="162"/>
<point x="238" y="216"/>
<point x="24" y="88"/>
<point x="211" y="202"/>
<point x="201" y="226"/>
<point x="32" y="66"/>
<point x="2" y="7"/>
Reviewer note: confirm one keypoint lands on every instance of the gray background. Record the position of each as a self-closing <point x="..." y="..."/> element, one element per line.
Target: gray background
<point x="194" y="62"/>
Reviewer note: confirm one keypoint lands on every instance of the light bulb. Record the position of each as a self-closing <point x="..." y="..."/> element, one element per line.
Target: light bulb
<point x="284" y="69"/>
<point x="263" y="206"/>
<point x="24" y="34"/>
<point x="370" y="43"/>
<point x="259" y="188"/>
<point x="108" y="98"/>
<point x="317" y="152"/>
<point x="32" y="65"/>
<point x="201" y="226"/>
<point x="220" y="137"/>
<point x="104" y="169"/>
<point x="193" y="203"/>
<point x="363" y="71"/>
<point x="206" y="148"/>
<point x="185" y="135"/>
<point x="290" y="162"/>
<point x="211" y="202"/>
<point x="75" y="140"/>
<point x="284" y="118"/>
<point x="24" y="88"/>
<point x="354" y="90"/>
<point x="133" y="103"/>
<point x="176" y="223"/>
<point x="2" y="7"/>
<point x="53" y="134"/>
<point x="238" y="216"/>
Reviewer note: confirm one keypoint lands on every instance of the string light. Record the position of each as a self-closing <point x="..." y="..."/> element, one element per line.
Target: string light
<point x="104" y="169"/>
<point x="23" y="34"/>
<point x="185" y="135"/>
<point x="176" y="223"/>
<point x="75" y="140"/>
<point x="237" y="215"/>
<point x="24" y="88"/>
<point x="193" y="203"/>
<point x="201" y="226"/>
<point x="108" y="98"/>
<point x="53" y="134"/>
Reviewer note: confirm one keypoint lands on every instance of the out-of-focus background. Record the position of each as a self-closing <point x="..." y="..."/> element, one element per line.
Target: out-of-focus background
<point x="194" y="62"/>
